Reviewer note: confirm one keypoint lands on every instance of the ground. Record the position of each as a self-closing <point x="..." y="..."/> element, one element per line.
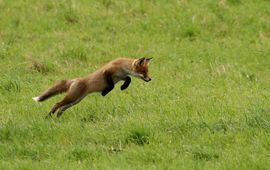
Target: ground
<point x="207" y="106"/>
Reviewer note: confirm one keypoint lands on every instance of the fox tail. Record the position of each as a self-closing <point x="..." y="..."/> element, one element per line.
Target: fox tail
<point x="59" y="87"/>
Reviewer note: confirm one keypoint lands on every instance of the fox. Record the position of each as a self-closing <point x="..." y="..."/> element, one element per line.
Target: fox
<point x="103" y="81"/>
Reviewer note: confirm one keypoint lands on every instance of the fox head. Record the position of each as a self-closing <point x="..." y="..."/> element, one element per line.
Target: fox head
<point x="141" y="68"/>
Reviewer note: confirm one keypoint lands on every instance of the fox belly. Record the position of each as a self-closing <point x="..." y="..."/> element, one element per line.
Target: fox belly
<point x="95" y="84"/>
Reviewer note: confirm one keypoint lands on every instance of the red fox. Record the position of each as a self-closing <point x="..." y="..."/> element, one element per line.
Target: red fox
<point x="102" y="80"/>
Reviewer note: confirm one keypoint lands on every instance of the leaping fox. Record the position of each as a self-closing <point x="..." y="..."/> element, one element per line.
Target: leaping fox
<point x="102" y="80"/>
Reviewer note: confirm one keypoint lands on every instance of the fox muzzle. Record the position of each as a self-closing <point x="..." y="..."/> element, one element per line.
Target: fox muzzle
<point x="147" y="79"/>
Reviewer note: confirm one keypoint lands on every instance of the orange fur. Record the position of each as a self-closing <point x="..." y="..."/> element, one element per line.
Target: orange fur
<point x="102" y="80"/>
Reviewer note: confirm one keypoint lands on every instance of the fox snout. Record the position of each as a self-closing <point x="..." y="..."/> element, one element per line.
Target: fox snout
<point x="147" y="79"/>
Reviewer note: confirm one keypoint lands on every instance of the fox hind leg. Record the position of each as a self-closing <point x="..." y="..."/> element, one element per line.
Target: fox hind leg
<point x="68" y="105"/>
<point x="76" y="93"/>
<point x="54" y="108"/>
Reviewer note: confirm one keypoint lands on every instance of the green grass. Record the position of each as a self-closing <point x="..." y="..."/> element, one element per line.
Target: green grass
<point x="207" y="106"/>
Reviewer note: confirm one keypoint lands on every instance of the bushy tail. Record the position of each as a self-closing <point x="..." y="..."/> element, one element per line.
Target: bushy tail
<point x="58" y="87"/>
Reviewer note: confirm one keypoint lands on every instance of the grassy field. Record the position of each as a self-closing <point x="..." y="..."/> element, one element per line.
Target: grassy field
<point x="207" y="106"/>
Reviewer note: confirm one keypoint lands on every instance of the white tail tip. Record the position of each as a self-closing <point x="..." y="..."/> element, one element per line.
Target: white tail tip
<point x="36" y="99"/>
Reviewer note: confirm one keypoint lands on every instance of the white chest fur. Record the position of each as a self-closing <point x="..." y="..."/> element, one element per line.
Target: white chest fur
<point x="119" y="76"/>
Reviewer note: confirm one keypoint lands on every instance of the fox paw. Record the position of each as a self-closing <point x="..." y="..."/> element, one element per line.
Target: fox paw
<point x="123" y="87"/>
<point x="104" y="93"/>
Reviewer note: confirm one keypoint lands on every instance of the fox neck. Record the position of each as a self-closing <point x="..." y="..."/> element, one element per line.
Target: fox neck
<point x="130" y="69"/>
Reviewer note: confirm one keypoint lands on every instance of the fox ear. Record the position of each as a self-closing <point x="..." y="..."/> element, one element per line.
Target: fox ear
<point x="141" y="61"/>
<point x="147" y="60"/>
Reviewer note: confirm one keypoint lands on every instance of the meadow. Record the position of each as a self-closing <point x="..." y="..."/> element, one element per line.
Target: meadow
<point x="207" y="106"/>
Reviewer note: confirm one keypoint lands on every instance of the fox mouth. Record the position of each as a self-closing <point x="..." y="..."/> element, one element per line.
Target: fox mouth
<point x="144" y="78"/>
<point x="147" y="79"/>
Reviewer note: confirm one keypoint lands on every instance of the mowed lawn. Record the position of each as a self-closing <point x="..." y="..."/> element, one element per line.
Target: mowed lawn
<point x="207" y="106"/>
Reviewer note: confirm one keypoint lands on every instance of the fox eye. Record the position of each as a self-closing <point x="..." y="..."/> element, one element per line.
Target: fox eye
<point x="143" y="72"/>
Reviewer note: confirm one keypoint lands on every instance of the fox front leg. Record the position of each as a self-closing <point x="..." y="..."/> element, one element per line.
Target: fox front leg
<point x="110" y="84"/>
<point x="126" y="83"/>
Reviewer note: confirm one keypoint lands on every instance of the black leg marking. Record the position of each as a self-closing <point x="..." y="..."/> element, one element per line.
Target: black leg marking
<point x="48" y="116"/>
<point x="126" y="83"/>
<point x="110" y="84"/>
